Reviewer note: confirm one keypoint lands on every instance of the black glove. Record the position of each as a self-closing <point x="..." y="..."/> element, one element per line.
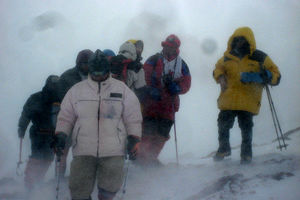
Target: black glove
<point x="133" y="145"/>
<point x="172" y="86"/>
<point x="135" y="66"/>
<point x="60" y="139"/>
<point x="167" y="79"/>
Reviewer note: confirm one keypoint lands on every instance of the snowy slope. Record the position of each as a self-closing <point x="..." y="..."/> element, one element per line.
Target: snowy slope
<point x="272" y="175"/>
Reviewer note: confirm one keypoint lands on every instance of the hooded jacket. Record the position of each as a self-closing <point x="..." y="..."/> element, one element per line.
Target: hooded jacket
<point x="238" y="95"/>
<point x="99" y="117"/>
<point x="73" y="75"/>
<point x="41" y="109"/>
<point x="126" y="68"/>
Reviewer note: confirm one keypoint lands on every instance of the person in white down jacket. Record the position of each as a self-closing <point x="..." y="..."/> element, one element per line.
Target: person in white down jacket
<point x="104" y="117"/>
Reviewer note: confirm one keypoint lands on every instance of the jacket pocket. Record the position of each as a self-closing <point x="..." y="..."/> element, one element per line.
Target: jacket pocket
<point x="76" y="137"/>
<point x="111" y="108"/>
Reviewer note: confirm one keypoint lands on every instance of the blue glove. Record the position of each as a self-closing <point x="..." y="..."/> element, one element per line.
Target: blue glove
<point x="155" y="93"/>
<point x="173" y="88"/>
<point x="266" y="75"/>
<point x="263" y="77"/>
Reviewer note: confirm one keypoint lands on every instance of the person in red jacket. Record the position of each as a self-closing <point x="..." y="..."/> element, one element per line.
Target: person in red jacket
<point x="167" y="77"/>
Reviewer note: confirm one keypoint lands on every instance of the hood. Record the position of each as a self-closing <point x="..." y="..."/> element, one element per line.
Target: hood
<point x="51" y="89"/>
<point x="245" y="32"/>
<point x="128" y="50"/>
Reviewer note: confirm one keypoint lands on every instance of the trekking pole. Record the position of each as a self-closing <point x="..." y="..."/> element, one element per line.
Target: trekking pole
<point x="125" y="180"/>
<point x="57" y="175"/>
<point x="177" y="160"/>
<point x="274" y="114"/>
<point x="275" y="120"/>
<point x="175" y="134"/>
<point x="18" y="170"/>
<point x="121" y="196"/>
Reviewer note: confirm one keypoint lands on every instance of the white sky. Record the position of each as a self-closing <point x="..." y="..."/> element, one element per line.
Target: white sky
<point x="30" y="52"/>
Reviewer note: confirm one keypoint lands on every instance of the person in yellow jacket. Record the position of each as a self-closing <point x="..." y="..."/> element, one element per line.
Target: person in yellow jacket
<point x="242" y="73"/>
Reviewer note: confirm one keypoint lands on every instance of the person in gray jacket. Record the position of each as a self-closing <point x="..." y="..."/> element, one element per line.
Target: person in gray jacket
<point x="103" y="115"/>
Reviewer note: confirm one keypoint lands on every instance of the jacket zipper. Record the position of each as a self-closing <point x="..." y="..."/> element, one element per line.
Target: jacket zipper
<point x="98" y="119"/>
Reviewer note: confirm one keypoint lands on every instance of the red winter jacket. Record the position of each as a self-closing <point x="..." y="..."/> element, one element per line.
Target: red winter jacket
<point x="168" y="104"/>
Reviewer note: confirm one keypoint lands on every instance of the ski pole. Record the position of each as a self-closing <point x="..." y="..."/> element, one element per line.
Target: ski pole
<point x="274" y="114"/>
<point x="121" y="196"/>
<point x="18" y="170"/>
<point x="275" y="120"/>
<point x="125" y="180"/>
<point x="175" y="134"/>
<point x="57" y="175"/>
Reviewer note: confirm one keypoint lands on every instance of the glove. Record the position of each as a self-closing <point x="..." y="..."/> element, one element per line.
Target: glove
<point x="21" y="132"/>
<point x="155" y="93"/>
<point x="135" y="66"/>
<point x="173" y="88"/>
<point x="171" y="85"/>
<point x="263" y="77"/>
<point x="266" y="76"/>
<point x="167" y="79"/>
<point x="60" y="139"/>
<point x="133" y="145"/>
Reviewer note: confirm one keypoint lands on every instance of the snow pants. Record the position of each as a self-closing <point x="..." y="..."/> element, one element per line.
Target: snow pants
<point x="40" y="159"/>
<point x="225" y="123"/>
<point x="156" y="132"/>
<point x="85" y="170"/>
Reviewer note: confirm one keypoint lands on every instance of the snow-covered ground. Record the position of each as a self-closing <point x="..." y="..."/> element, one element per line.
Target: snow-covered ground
<point x="273" y="175"/>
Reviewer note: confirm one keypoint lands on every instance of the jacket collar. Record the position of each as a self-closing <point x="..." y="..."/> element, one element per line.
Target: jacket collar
<point x="95" y="86"/>
<point x="232" y="57"/>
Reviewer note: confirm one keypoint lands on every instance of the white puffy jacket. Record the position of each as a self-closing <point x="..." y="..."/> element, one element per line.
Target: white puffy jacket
<point x="99" y="118"/>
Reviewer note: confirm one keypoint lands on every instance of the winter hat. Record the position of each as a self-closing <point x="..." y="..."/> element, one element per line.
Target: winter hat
<point x="83" y="56"/>
<point x="137" y="43"/>
<point x="109" y="52"/>
<point x="171" y="41"/>
<point x="98" y="64"/>
<point x="128" y="50"/>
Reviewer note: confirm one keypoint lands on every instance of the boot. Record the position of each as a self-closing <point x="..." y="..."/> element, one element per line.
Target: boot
<point x="223" y="151"/>
<point x="245" y="160"/>
<point x="221" y="155"/>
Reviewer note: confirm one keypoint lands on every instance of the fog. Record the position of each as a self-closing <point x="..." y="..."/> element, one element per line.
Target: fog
<point x="39" y="38"/>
